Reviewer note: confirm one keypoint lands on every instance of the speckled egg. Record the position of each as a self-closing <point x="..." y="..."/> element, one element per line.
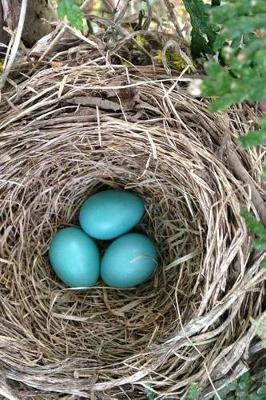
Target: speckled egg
<point x="75" y="258"/>
<point x="129" y="261"/>
<point x="111" y="213"/>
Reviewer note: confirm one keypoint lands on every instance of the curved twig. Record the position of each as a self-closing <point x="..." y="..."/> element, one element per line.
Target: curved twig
<point x="147" y="21"/>
<point x="172" y="17"/>
<point x="16" y="43"/>
<point x="174" y="45"/>
<point x="120" y="14"/>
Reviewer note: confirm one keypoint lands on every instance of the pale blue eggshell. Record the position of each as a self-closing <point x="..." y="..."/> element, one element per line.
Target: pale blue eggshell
<point x="111" y="213"/>
<point x="75" y="257"/>
<point x="129" y="261"/>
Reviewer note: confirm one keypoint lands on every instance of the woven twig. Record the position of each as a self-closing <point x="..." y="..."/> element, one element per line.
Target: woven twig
<point x="69" y="130"/>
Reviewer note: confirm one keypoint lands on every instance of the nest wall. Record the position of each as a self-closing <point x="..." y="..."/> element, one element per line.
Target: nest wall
<point x="69" y="131"/>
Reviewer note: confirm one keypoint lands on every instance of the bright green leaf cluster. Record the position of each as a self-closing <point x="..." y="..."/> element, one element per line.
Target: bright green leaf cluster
<point x="241" y="73"/>
<point x="174" y="60"/>
<point x="256" y="138"/>
<point x="70" y="9"/>
<point x="249" y="14"/>
<point x="203" y="34"/>
<point x="236" y="32"/>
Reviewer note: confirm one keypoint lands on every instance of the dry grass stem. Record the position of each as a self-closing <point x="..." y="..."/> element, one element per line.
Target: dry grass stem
<point x="74" y="126"/>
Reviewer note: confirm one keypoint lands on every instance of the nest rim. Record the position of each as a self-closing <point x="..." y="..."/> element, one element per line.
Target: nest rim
<point x="59" y="157"/>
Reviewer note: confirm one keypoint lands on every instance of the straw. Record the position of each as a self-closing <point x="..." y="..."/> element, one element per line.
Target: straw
<point x="71" y="130"/>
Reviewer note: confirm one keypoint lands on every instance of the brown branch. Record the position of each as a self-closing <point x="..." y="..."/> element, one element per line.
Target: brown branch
<point x="120" y="14"/>
<point x="15" y="46"/>
<point x="147" y="21"/>
<point x="173" y="18"/>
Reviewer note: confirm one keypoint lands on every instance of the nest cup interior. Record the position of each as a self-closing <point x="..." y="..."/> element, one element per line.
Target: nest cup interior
<point x="106" y="324"/>
<point x="54" y="162"/>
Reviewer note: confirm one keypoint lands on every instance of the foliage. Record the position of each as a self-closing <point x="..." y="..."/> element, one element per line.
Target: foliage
<point x="236" y="32"/>
<point x="140" y="40"/>
<point x="255" y="138"/>
<point x="238" y="74"/>
<point x="241" y="43"/>
<point x="243" y="389"/>
<point x="70" y="9"/>
<point x="173" y="59"/>
<point x="193" y="392"/>
<point x="203" y="33"/>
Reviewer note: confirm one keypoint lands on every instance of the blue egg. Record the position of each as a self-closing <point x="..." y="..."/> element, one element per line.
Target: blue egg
<point x="129" y="261"/>
<point x="111" y="213"/>
<point x="75" y="258"/>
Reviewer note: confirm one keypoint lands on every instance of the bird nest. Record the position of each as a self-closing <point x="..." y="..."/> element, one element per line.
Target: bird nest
<point x="70" y="129"/>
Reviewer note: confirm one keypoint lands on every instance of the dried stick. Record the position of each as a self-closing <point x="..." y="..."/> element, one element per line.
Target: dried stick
<point x="172" y="16"/>
<point x="120" y="14"/>
<point x="16" y="43"/>
<point x="85" y="5"/>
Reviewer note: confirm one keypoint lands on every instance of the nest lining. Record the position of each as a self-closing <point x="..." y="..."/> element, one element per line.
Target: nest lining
<point x="73" y="131"/>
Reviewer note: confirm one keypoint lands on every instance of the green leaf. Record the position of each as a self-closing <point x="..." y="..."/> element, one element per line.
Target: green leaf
<point x="244" y="386"/>
<point x="255" y="226"/>
<point x="253" y="139"/>
<point x="203" y="34"/>
<point x="260" y="245"/>
<point x="70" y="10"/>
<point x="256" y="138"/>
<point x="262" y="392"/>
<point x="193" y="392"/>
<point x="242" y="69"/>
<point x="232" y="9"/>
<point x="245" y="24"/>
<point x="230" y="87"/>
<point x="253" y="49"/>
<point x="61" y="9"/>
